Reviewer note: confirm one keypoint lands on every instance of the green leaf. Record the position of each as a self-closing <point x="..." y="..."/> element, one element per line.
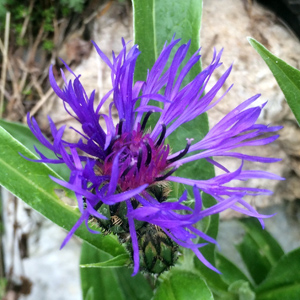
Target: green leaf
<point x="144" y="36"/>
<point x="26" y="137"/>
<point x="21" y="133"/>
<point x="3" y="287"/>
<point x="104" y="282"/>
<point x="30" y="182"/>
<point x="268" y="246"/>
<point x="259" y="250"/>
<point x="288" y="77"/>
<point x="116" y="262"/>
<point x="290" y="292"/>
<point x="90" y="294"/>
<point x="108" y="283"/>
<point x="183" y="285"/>
<point x="256" y="263"/>
<point x="136" y="287"/>
<point x="242" y="289"/>
<point x="155" y="22"/>
<point x="230" y="272"/>
<point x="213" y="279"/>
<point x="283" y="281"/>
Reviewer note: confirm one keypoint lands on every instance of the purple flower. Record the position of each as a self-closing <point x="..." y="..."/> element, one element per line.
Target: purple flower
<point x="123" y="163"/>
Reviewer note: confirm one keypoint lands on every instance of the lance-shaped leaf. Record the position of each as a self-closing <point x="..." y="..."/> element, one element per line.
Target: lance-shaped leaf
<point x="30" y="182"/>
<point x="115" y="262"/>
<point x="23" y="134"/>
<point x="110" y="283"/>
<point x="269" y="247"/>
<point x="155" y="22"/>
<point x="283" y="280"/>
<point x="287" y="76"/>
<point x="259" y="250"/>
<point x="230" y="272"/>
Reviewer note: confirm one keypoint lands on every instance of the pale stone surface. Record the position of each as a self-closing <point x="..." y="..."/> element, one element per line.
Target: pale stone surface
<point x="54" y="273"/>
<point x="228" y="28"/>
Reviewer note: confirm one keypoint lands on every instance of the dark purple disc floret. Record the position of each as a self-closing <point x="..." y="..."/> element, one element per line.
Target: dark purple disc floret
<point x="125" y="161"/>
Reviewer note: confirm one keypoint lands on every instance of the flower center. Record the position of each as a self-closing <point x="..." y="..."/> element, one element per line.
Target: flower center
<point x="141" y="160"/>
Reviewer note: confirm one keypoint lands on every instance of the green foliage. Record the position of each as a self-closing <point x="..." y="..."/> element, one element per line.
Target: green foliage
<point x="43" y="14"/>
<point x="48" y="45"/>
<point x="155" y="22"/>
<point x="20" y="10"/>
<point x="256" y="262"/>
<point x="212" y="278"/>
<point x="3" y="285"/>
<point x="90" y="294"/>
<point x="76" y="5"/>
<point x="183" y="285"/>
<point x="282" y="281"/>
<point x="116" y="262"/>
<point x="2" y="10"/>
<point x="102" y="281"/>
<point x="259" y="250"/>
<point x="230" y="272"/>
<point x="48" y="17"/>
<point x="23" y="134"/>
<point x="288" y="77"/>
<point x="242" y="289"/>
<point x="30" y="182"/>
<point x="275" y="274"/>
<point x="109" y="283"/>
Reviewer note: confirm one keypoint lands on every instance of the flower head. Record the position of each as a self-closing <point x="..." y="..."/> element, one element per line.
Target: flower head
<point x="120" y="173"/>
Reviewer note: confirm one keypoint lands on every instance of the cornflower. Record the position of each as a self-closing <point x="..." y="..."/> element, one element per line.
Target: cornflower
<point x="120" y="174"/>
